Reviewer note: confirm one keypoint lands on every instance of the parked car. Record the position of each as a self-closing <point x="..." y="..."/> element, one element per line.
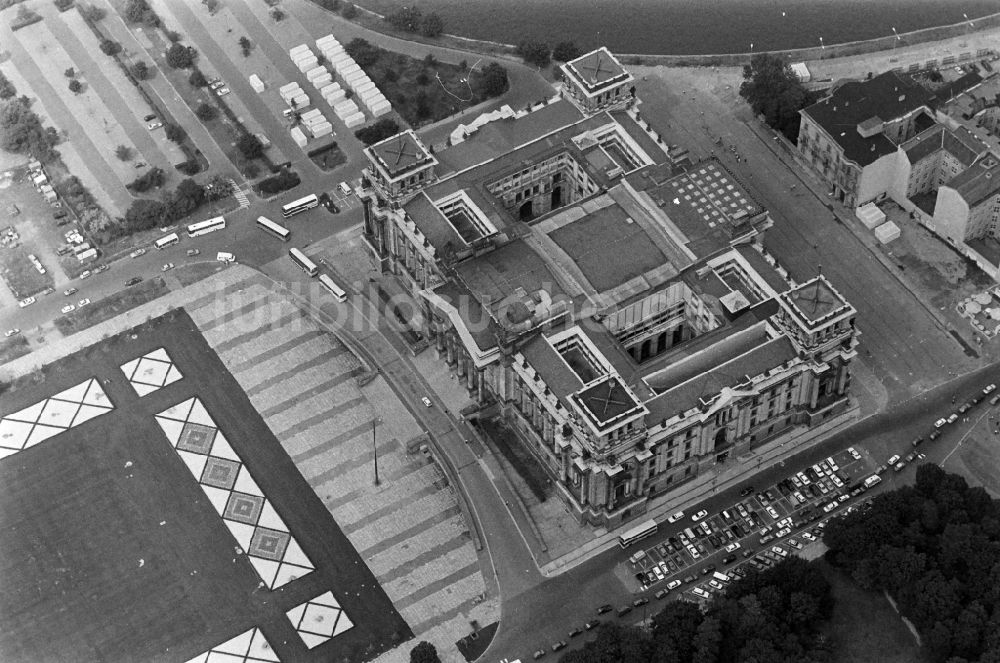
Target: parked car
<point x="71" y="291"/>
<point x="193" y="252"/>
<point x="698" y="516"/>
<point x="27" y="301"/>
<point x="592" y="624"/>
<point x="222" y="91"/>
<point x="675" y="517"/>
<point x="82" y="303"/>
<point x="137" y="253"/>
<point x="746" y="491"/>
<point x="607" y="607"/>
<point x="733" y="547"/>
<point x="167" y="267"/>
<point x="154" y="125"/>
<point x="11" y="332"/>
<point x="135" y="280"/>
<point x="559" y="644"/>
<point x="344" y="188"/>
<point x="85" y="274"/>
<point x="426" y="401"/>
<point x="893" y="459"/>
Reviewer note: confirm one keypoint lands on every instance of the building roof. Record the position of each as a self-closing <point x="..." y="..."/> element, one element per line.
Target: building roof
<point x="606" y="401"/>
<point x="979" y="182"/>
<point x="556" y="373"/>
<point x="815" y="300"/>
<point x="513" y="282"/>
<point x="706" y="203"/>
<point x="639" y="135"/>
<point x="401" y="153"/>
<point x="596" y="70"/>
<point x="505" y="135"/>
<point x="887" y="96"/>
<point x="599" y="243"/>
<point x="959" y="143"/>
<point x="688" y="394"/>
<point x="760" y="265"/>
<point x="480" y="324"/>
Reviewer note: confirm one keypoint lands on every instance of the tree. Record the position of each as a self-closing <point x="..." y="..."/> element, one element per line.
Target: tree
<point x="218" y="188"/>
<point x="250" y="146"/>
<point x="565" y="51"/>
<point x="91" y="13"/>
<point x="493" y="80"/>
<point x="423" y="78"/>
<point x="21" y="130"/>
<point x="432" y="26"/>
<point x="206" y="112"/>
<point x="140" y="70"/>
<point x="63" y="5"/>
<point x="7" y="89"/>
<point x="174" y="133"/>
<point x="277" y="14"/>
<point x="407" y="19"/>
<point x="349" y="11"/>
<point x="430" y="60"/>
<point x="197" y="79"/>
<point x="245" y="46"/>
<point x="774" y="91"/>
<point x="180" y="56"/>
<point x="331" y="5"/>
<point x="212" y="5"/>
<point x="377" y="132"/>
<point x="135" y="11"/>
<point x="123" y="152"/>
<point x="75" y="86"/>
<point x="424" y="652"/>
<point x="187" y="197"/>
<point x="70" y="73"/>
<point x="153" y="178"/>
<point x="145" y="214"/>
<point x="109" y="47"/>
<point x="173" y="35"/>
<point x="423" y="102"/>
<point x="535" y="52"/>
<point x="362" y="52"/>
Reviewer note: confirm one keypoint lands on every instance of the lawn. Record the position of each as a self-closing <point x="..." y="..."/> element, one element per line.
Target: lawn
<point x="13" y="347"/>
<point x="107" y="308"/>
<point x="864" y="627"/>
<point x="424" y="91"/>
<point x="20" y="274"/>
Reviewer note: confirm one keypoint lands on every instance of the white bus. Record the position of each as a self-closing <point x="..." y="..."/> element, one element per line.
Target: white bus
<point x="300" y="205"/>
<point x="334" y="289"/>
<point x="267" y="225"/>
<point x="167" y="240"/>
<point x="217" y="223"/>
<point x="303" y="261"/>
<point x="640" y="531"/>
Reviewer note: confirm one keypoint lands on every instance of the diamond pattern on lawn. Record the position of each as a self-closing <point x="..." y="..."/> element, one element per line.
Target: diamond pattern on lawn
<point x="234" y="494"/>
<point x="67" y="409"/>
<point x="248" y="647"/>
<point x="151" y="371"/>
<point x="319" y="619"/>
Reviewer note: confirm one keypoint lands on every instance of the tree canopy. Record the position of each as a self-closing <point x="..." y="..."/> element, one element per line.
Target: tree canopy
<point x="565" y="51"/>
<point x="537" y="53"/>
<point x="492" y="81"/>
<point x="362" y="52"/>
<point x="767" y="617"/>
<point x="21" y="130"/>
<point x="180" y="56"/>
<point x="379" y="131"/>
<point x="773" y="90"/>
<point x="424" y="652"/>
<point x="935" y="547"/>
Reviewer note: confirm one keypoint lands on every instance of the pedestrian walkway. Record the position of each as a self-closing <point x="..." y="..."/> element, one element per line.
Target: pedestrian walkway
<point x="240" y="195"/>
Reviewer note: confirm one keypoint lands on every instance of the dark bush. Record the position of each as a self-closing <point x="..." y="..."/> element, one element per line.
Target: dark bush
<point x="206" y="112"/>
<point x="109" y="47"/>
<point x="377" y="132"/>
<point x="180" y="56"/>
<point x="154" y="177"/>
<point x="283" y="181"/>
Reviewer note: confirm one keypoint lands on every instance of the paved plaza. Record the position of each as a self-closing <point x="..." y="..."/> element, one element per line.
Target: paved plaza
<point x="408" y="528"/>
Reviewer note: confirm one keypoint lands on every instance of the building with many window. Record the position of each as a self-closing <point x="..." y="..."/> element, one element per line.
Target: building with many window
<point x="614" y="307"/>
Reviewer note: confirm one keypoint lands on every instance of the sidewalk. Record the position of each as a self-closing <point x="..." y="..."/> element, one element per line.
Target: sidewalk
<point x="709" y="483"/>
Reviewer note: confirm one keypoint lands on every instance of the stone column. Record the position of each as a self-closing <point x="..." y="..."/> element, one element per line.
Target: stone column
<point x="814" y="391"/>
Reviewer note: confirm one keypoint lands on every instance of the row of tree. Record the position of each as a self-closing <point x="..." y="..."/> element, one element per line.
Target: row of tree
<point x="935" y="547"/>
<point x="147" y="213"/>
<point x="769" y="617"/>
<point x="541" y="55"/>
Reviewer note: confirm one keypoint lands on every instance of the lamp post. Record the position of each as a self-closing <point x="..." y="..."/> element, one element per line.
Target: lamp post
<point x="895" y="43"/>
<point x="821" y="45"/>
<point x="375" y="449"/>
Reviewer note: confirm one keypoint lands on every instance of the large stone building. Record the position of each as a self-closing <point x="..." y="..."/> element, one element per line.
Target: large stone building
<point x="617" y="308"/>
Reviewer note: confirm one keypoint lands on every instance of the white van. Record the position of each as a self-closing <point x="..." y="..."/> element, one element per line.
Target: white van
<point x="637" y="556"/>
<point x="873" y="480"/>
<point x="721" y="577"/>
<point x="225" y="256"/>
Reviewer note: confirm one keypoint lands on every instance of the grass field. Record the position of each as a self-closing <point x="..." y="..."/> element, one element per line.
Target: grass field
<point x="865" y="628"/>
<point x="115" y="554"/>
<point x="20" y="274"/>
<point x="13" y="347"/>
<point x="423" y="92"/>
<point x="109" y="307"/>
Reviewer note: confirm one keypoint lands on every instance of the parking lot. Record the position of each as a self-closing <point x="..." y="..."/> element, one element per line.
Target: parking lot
<point x="757" y="531"/>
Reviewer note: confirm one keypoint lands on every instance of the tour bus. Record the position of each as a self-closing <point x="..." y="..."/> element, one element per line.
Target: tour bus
<point x="217" y="223"/>
<point x="269" y="226"/>
<point x="334" y="289"/>
<point x="303" y="261"/>
<point x="640" y="531"/>
<point x="300" y="205"/>
<point x="167" y="240"/>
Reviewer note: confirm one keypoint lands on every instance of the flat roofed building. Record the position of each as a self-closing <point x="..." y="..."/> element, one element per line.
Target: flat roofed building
<point x="619" y="310"/>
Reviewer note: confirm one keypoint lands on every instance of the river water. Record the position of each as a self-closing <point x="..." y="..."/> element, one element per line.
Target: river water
<point x="692" y="26"/>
